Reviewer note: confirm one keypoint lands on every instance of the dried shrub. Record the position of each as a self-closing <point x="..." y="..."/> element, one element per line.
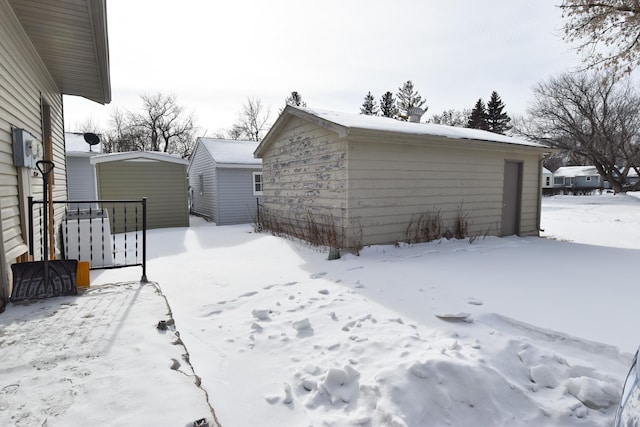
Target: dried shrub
<point x="321" y="230"/>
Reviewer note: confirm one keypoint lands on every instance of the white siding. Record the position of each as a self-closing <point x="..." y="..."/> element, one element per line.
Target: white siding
<point x="81" y="177"/>
<point x="24" y="83"/>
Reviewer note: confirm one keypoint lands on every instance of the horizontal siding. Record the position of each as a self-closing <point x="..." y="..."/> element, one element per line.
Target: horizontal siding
<point x="305" y="171"/>
<point x="390" y="185"/>
<point x="237" y="204"/>
<point x="164" y="185"/>
<point x="81" y="179"/>
<point x="24" y="83"/>
<point x="203" y="194"/>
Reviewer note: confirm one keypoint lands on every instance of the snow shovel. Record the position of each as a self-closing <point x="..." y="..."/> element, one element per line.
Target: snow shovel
<point x="46" y="278"/>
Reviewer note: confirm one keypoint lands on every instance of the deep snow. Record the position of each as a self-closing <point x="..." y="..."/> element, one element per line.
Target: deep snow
<point x="501" y="331"/>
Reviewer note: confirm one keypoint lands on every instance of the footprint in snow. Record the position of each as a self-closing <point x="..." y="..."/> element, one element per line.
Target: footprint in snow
<point x="318" y="275"/>
<point x="474" y="301"/>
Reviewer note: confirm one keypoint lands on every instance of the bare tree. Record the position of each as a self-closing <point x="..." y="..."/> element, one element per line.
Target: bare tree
<point x="252" y="123"/>
<point x="608" y="32"/>
<point x="162" y="126"/>
<point x="590" y="116"/>
<point x="122" y="135"/>
<point x="168" y="128"/>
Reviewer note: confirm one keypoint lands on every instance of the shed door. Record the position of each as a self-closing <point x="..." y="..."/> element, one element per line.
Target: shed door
<point x="511" y="195"/>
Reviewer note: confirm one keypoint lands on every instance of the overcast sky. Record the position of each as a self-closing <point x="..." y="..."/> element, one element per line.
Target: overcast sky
<point x="213" y="55"/>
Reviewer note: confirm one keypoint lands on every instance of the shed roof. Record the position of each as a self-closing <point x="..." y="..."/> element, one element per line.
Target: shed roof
<point x="71" y="38"/>
<point x="138" y="156"/>
<point x="347" y="123"/>
<point x="75" y="145"/>
<point x="231" y="152"/>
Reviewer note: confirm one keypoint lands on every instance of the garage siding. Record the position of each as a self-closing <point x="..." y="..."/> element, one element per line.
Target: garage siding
<point x="391" y="184"/>
<point x="305" y="172"/>
<point x="164" y="184"/>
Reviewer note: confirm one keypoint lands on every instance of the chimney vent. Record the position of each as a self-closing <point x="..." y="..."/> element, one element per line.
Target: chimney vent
<point x="415" y="114"/>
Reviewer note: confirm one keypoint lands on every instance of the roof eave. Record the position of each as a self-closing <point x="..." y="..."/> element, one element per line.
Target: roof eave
<point x="391" y="137"/>
<point x="289" y="112"/>
<point x="72" y="40"/>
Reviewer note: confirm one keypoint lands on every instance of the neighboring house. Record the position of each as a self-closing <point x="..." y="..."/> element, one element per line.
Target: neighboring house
<point x="374" y="176"/>
<point x="225" y="180"/>
<point x="547" y="182"/>
<point x="48" y="49"/>
<point x="81" y="176"/>
<point x="577" y="179"/>
<point x="547" y="178"/>
<point x="160" y="177"/>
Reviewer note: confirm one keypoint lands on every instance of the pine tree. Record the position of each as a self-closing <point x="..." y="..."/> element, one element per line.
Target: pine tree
<point x="497" y="120"/>
<point x="478" y="117"/>
<point x="295" y="99"/>
<point x="369" y="106"/>
<point x="408" y="98"/>
<point x="388" y="105"/>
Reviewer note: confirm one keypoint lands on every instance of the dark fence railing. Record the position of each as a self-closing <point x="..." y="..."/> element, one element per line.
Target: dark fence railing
<point x="106" y="233"/>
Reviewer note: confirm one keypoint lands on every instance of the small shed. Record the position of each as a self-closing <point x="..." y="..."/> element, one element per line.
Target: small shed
<point x="160" y="177"/>
<point x="81" y="177"/>
<point x="225" y="180"/>
<point x="375" y="177"/>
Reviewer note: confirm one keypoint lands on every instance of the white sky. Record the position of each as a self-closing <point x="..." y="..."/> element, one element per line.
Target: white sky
<point x="213" y="55"/>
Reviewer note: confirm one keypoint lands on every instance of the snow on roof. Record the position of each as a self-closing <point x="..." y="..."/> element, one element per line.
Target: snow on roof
<point x="573" y="171"/>
<point x="546" y="171"/>
<point x="74" y="143"/>
<point x="139" y="156"/>
<point x="362" y="121"/>
<point x="226" y="151"/>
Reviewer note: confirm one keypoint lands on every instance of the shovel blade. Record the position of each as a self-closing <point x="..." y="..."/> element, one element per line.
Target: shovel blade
<point x="29" y="281"/>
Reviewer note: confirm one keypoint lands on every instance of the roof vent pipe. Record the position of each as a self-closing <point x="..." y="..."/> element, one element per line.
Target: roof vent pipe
<point x="415" y="114"/>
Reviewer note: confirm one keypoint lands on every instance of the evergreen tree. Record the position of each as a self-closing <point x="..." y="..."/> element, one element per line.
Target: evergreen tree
<point x="497" y="120"/>
<point x="369" y="106"/>
<point x="388" y="105"/>
<point x="295" y="99"/>
<point x="408" y="98"/>
<point x="478" y="117"/>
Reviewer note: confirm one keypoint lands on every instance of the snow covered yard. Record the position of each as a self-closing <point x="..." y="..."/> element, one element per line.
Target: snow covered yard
<point x="541" y="332"/>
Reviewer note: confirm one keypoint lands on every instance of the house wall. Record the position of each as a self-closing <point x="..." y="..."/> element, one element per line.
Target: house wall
<point x="25" y="84"/>
<point x="164" y="184"/>
<point x="203" y="200"/>
<point x="236" y="202"/>
<point x="305" y="172"/>
<point x="391" y="184"/>
<point x="81" y="183"/>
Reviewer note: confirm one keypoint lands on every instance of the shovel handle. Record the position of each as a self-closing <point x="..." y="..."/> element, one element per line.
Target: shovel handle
<point x="45" y="166"/>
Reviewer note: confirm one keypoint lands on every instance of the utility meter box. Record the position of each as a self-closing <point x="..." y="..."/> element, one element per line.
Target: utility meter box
<point x="26" y="149"/>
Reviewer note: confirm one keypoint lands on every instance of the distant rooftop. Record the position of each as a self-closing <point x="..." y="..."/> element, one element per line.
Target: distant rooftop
<point x="231" y="151"/>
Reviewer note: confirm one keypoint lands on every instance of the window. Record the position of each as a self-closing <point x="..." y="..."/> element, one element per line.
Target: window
<point x="548" y="181"/>
<point x="257" y="183"/>
<point x="588" y="178"/>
